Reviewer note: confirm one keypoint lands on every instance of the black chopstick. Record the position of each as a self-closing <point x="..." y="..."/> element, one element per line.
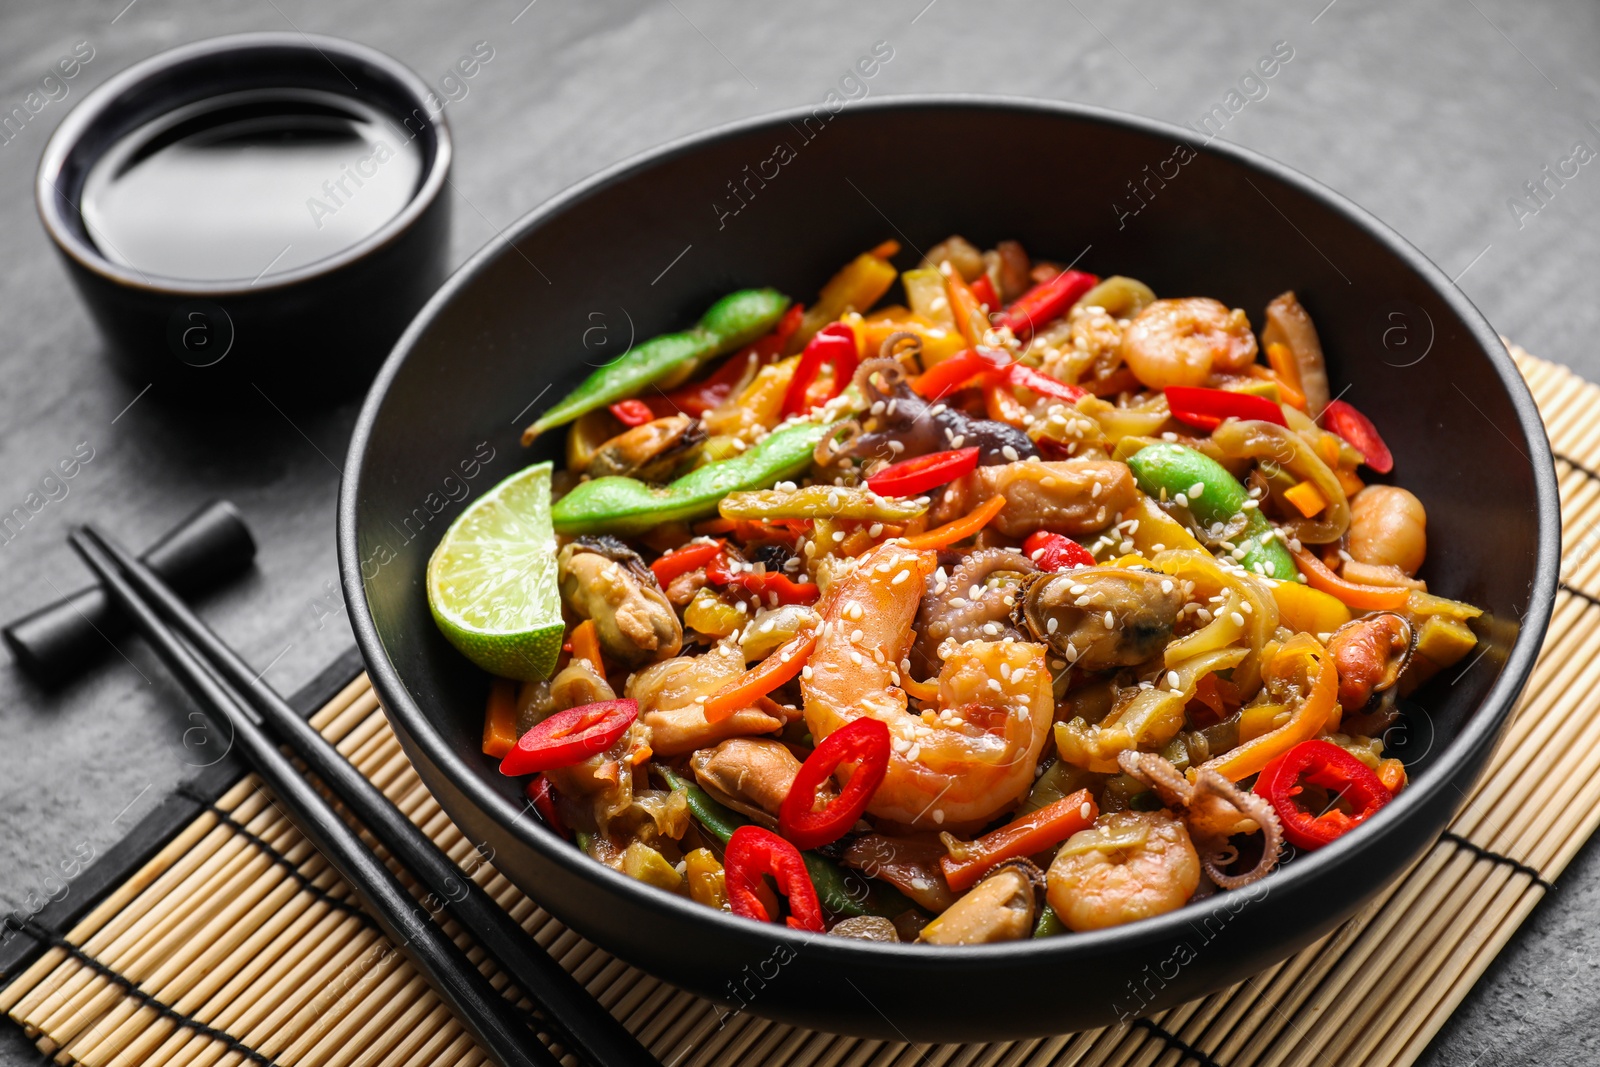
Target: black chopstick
<point x="579" y="1021"/>
<point x="498" y="1025"/>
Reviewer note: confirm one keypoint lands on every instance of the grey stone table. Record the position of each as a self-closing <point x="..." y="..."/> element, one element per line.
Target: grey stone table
<point x="1432" y="114"/>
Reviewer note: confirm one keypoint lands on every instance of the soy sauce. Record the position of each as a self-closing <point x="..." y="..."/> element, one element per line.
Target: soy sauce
<point x="246" y="186"/>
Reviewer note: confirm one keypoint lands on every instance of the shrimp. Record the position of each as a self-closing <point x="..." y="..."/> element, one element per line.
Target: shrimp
<point x="1388" y="527"/>
<point x="666" y="693"/>
<point x="1180" y="342"/>
<point x="1130" y="866"/>
<point x="958" y="767"/>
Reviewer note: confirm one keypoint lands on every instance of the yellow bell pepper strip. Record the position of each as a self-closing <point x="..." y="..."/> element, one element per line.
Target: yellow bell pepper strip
<point x="859" y="503"/>
<point x="1032" y="833"/>
<point x="627" y="506"/>
<point x="860" y="284"/>
<point x="1304" y="661"/>
<point x="926" y="295"/>
<point x="1305" y="609"/>
<point x="1176" y="472"/>
<point x="961" y="529"/>
<point x="761" y="679"/>
<point x="500" y="719"/>
<point x="1359" y="597"/>
<point x="732" y="322"/>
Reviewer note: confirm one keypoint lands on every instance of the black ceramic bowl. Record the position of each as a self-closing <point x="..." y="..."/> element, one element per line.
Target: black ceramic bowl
<point x="316" y="331"/>
<point x="644" y="247"/>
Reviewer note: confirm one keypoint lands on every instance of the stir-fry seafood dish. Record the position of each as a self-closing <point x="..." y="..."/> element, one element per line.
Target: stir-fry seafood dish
<point x="981" y="600"/>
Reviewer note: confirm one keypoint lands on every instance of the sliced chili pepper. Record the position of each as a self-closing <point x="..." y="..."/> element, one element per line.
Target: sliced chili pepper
<point x="1055" y="552"/>
<point x="778" y="668"/>
<point x="913" y="477"/>
<point x="766" y="584"/>
<point x="542" y="794"/>
<point x="947" y="376"/>
<point x="1325" y="764"/>
<point x="1046" y="302"/>
<point x="1357" y="429"/>
<point x="1350" y="594"/>
<point x="570" y="736"/>
<point x="1032" y="833"/>
<point x="983" y="289"/>
<point x="754" y="852"/>
<point x="1209" y="408"/>
<point x="835" y="343"/>
<point x="1046" y="385"/>
<point x="863" y="742"/>
<point x="683" y="560"/>
<point x="632" y="412"/>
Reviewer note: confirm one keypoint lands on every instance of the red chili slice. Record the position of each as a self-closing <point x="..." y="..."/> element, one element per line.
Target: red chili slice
<point x="1044" y="384"/>
<point x="1325" y="764"/>
<point x="542" y="794"/>
<point x="767" y="584"/>
<point x="570" y="736"/>
<point x="1054" y="552"/>
<point x="632" y="412"/>
<point x="983" y="289"/>
<point x="864" y="742"/>
<point x="754" y="852"/>
<point x="1209" y="408"/>
<point x="946" y="377"/>
<point x="835" y="343"/>
<point x="912" y="477"/>
<point x="1046" y="302"/>
<point x="1357" y="429"/>
<point x="683" y="560"/>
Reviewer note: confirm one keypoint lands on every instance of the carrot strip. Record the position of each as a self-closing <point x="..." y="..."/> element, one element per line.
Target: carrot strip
<point x="1361" y="597"/>
<point x="500" y="719"/>
<point x="1033" y="833"/>
<point x="1288" y="391"/>
<point x="1306" y="498"/>
<point x="586" y="645"/>
<point x="761" y="679"/>
<point x="928" y="690"/>
<point x="961" y="529"/>
<point x="1003" y="406"/>
<point x="887" y="250"/>
<point x="964" y="305"/>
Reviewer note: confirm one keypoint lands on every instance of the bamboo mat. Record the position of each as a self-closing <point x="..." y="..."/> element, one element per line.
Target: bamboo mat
<point x="233" y="942"/>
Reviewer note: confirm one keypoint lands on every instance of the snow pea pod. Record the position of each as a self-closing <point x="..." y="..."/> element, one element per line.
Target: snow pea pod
<point x="733" y="321"/>
<point x="627" y="506"/>
<point x="1175" y="472"/>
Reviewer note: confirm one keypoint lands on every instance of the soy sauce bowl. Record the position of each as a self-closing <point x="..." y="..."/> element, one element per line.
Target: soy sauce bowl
<point x="263" y="292"/>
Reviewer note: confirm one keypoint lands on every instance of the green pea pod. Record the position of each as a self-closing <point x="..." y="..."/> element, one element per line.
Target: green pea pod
<point x="627" y="506"/>
<point x="1166" y="471"/>
<point x="733" y="321"/>
<point x="1049" y="924"/>
<point x="840" y="891"/>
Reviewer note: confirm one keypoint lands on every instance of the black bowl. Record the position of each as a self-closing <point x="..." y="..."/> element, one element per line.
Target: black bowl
<point x="646" y="246"/>
<point x="315" y="332"/>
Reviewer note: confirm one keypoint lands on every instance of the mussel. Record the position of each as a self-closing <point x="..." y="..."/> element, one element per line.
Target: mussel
<point x="1099" y="618"/>
<point x="1002" y="907"/>
<point x="650" y="452"/>
<point x="605" y="580"/>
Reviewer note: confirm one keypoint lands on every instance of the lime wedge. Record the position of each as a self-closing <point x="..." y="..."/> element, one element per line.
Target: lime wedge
<point x="492" y="580"/>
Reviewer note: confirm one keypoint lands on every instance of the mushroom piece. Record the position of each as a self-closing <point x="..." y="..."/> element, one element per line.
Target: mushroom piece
<point x="899" y="424"/>
<point x="603" y="579"/>
<point x="750" y="775"/>
<point x="1002" y="907"/>
<point x="866" y="928"/>
<point x="650" y="452"/>
<point x="1099" y="618"/>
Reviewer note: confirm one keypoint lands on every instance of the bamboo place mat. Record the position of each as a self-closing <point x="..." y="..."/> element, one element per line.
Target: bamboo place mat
<point x="228" y="940"/>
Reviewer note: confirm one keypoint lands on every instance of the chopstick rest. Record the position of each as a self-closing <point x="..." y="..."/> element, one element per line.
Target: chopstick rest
<point x="53" y="644"/>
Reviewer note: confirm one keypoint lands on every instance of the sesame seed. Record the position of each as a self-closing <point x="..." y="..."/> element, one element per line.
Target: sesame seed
<point x="1181" y="500"/>
<point x="938" y="816"/>
<point x="1095" y="488"/>
<point x="1086" y="811"/>
<point x="991" y="629"/>
<point x="1109" y="620"/>
<point x="838" y="535"/>
<point x="1052" y="625"/>
<point x="1197" y="489"/>
<point x="899" y="578"/>
<point x="1010" y="453"/>
<point x="913" y="752"/>
<point x="1238" y="619"/>
<point x="1172" y="679"/>
<point x="1166" y="585"/>
<point x="855" y="637"/>
<point x="875" y="530"/>
<point x="805" y="672"/>
<point x="855" y="657"/>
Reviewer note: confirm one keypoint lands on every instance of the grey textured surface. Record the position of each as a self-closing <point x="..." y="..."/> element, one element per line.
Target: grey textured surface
<point x="1430" y="114"/>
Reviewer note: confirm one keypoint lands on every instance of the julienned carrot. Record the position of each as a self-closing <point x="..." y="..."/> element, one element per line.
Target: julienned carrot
<point x="1285" y="371"/>
<point x="1361" y="597"/>
<point x="761" y="679"/>
<point x="963" y="305"/>
<point x="928" y="690"/>
<point x="961" y="529"/>
<point x="500" y="719"/>
<point x="586" y="645"/>
<point x="1034" y="832"/>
